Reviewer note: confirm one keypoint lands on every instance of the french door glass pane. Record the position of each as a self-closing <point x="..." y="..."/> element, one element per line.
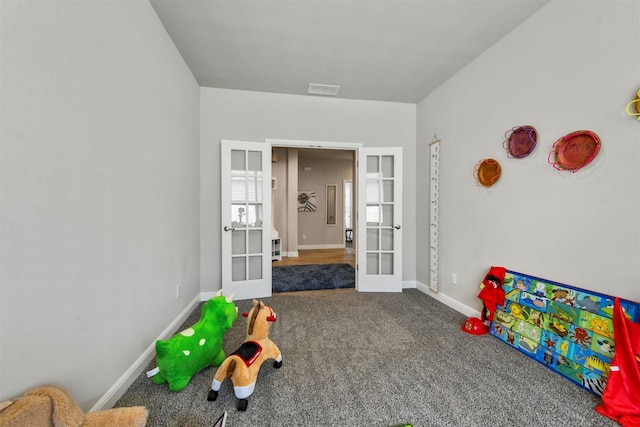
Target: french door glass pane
<point x="373" y="191"/>
<point x="372" y="263"/>
<point x="255" y="241"/>
<point x="238" y="188"/>
<point x="255" y="163"/>
<point x="255" y="267"/>
<point x="238" y="215"/>
<point x="238" y="242"/>
<point x="254" y="189"/>
<point x="387" y="166"/>
<point x="254" y="215"/>
<point x="387" y="190"/>
<point x="386" y="239"/>
<point x="374" y="215"/>
<point x="373" y="165"/>
<point x="238" y="269"/>
<point x="373" y="237"/>
<point x="387" y="215"/>
<point x="386" y="263"/>
<point x="237" y="161"/>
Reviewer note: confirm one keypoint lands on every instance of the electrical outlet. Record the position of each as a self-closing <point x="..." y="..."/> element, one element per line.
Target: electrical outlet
<point x="178" y="289"/>
<point x="454" y="279"/>
<point x="304" y="237"/>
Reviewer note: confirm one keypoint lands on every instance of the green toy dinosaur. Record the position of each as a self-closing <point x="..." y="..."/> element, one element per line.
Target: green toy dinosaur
<point x="188" y="352"/>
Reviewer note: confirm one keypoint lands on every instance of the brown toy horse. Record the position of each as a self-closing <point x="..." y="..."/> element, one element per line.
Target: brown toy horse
<point x="243" y="365"/>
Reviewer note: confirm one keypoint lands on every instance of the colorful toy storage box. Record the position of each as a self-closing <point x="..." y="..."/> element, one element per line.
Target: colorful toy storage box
<point x="567" y="329"/>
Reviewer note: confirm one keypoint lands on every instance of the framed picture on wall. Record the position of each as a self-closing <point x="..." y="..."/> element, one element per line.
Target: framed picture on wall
<point x="307" y="201"/>
<point x="331" y="192"/>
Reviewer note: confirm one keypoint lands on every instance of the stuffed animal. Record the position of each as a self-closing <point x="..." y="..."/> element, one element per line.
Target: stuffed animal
<point x="243" y="365"/>
<point x="51" y="405"/>
<point x="186" y="353"/>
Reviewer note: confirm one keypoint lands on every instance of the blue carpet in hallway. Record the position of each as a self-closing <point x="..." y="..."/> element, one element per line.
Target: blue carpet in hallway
<point x="313" y="277"/>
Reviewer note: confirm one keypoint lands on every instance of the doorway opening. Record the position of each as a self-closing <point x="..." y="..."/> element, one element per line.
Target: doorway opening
<point x="377" y="232"/>
<point x="309" y="234"/>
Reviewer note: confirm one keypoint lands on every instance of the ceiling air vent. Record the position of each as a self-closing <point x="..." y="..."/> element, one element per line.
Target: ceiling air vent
<point x="320" y="89"/>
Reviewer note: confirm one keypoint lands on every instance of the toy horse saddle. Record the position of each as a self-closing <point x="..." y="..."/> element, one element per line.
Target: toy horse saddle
<point x="248" y="352"/>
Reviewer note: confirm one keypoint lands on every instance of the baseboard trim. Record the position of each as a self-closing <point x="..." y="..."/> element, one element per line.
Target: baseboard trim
<point x="447" y="300"/>
<point x="293" y="254"/>
<point x="124" y="382"/>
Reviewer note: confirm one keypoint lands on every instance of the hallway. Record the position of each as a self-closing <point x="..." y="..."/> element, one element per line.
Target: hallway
<point x="320" y="256"/>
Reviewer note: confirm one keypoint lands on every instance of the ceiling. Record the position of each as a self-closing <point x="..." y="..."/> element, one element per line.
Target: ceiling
<point x="382" y="50"/>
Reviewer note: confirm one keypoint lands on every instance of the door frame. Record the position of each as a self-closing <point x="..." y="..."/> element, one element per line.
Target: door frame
<point x="357" y="186"/>
<point x="330" y="145"/>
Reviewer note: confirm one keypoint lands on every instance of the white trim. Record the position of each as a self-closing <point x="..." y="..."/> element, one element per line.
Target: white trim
<point x="124" y="382"/>
<point x="313" y="144"/>
<point x="447" y="300"/>
<point x="325" y="246"/>
<point x="293" y="254"/>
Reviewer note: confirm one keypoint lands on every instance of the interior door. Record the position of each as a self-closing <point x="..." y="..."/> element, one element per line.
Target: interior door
<point x="379" y="254"/>
<point x="246" y="219"/>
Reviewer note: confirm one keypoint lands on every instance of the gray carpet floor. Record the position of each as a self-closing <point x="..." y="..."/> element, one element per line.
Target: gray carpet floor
<point x="362" y="359"/>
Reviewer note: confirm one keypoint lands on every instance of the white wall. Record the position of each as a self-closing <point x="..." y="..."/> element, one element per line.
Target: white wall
<point x="571" y="66"/>
<point x="254" y="116"/>
<point x="100" y="192"/>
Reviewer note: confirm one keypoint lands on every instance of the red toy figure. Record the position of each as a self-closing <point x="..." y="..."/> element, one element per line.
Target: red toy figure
<point x="492" y="294"/>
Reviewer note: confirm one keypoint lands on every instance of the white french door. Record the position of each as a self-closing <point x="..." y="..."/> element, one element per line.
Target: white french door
<point x="379" y="253"/>
<point x="246" y="219"/>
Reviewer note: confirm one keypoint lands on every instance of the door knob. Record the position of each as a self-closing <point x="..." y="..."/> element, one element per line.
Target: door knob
<point x="397" y="227"/>
<point x="227" y="228"/>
